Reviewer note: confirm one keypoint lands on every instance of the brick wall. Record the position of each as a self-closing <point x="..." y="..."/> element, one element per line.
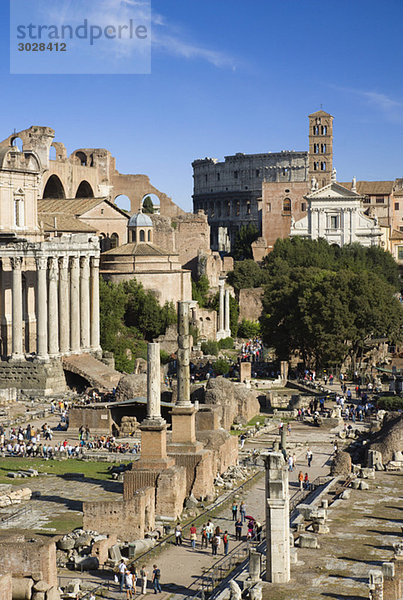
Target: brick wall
<point x="23" y="558"/>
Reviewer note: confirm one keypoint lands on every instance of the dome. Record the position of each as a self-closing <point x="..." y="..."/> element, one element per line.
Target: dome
<point x="140" y="220"/>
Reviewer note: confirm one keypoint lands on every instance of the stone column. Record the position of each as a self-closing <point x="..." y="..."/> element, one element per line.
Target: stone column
<point x="42" y="308"/>
<point x="17" y="346"/>
<point x="94" y="287"/>
<point x="85" y="302"/>
<point x="227" y="314"/>
<point x="183" y="368"/>
<point x="183" y="415"/>
<point x="221" y="308"/>
<point x="277" y="519"/>
<point x="75" y="305"/>
<point x="153" y="382"/>
<point x="64" y="309"/>
<point x="53" y="308"/>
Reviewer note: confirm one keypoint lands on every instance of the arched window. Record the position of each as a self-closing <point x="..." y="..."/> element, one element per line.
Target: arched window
<point x="54" y="188"/>
<point x="149" y="235"/>
<point x="323" y="166"/>
<point x="134" y="235"/>
<point x="82" y="158"/>
<point x="16" y="142"/>
<point x="114" y="240"/>
<point x="323" y="148"/>
<point x="123" y="202"/>
<point x="142" y="235"/>
<point x="324" y="130"/>
<point x="52" y="153"/>
<point x="84" y="190"/>
<point x="286" y="205"/>
<point x="103" y="242"/>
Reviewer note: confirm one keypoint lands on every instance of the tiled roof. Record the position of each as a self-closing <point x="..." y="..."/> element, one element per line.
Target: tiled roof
<point x="137" y="249"/>
<point x="396" y="235"/>
<point x="320" y="113"/>
<point x="72" y="206"/>
<point x="372" y="188"/>
<point x="64" y="223"/>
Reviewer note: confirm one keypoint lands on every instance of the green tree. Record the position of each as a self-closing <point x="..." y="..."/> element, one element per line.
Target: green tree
<point x="221" y="367"/>
<point x="148" y="206"/>
<point x="249" y="329"/>
<point x="209" y="347"/>
<point x="247" y="274"/>
<point x="200" y="290"/>
<point x="242" y="248"/>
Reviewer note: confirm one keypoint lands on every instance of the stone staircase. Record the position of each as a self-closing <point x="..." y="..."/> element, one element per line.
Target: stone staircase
<point x="92" y="370"/>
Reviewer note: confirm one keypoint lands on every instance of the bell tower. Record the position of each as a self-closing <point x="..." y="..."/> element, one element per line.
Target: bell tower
<point x="320" y="155"/>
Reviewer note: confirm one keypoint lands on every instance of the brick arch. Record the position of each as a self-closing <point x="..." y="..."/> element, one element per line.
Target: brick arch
<point x="53" y="188"/>
<point x="84" y="190"/>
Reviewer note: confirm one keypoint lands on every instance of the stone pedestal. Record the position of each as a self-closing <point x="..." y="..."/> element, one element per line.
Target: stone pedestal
<point x="153" y="446"/>
<point x="245" y="371"/>
<point x="277" y="519"/>
<point x="255" y="566"/>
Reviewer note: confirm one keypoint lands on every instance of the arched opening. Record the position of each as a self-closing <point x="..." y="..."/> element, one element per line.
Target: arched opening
<point x="149" y="235"/>
<point x="52" y="153"/>
<point x="142" y="235"/>
<point x="286" y="205"/>
<point x="84" y="190"/>
<point x="150" y="204"/>
<point x="123" y="202"/>
<point x="54" y="188"/>
<point x="16" y="142"/>
<point x="82" y="158"/>
<point x="114" y="243"/>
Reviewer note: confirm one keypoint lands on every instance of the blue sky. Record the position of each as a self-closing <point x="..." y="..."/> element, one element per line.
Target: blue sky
<point x="232" y="76"/>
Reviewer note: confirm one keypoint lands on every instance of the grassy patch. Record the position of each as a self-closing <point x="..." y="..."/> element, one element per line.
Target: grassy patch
<point x="91" y="470"/>
<point x="65" y="523"/>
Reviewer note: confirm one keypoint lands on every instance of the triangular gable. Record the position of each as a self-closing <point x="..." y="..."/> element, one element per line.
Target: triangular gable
<point x="333" y="190"/>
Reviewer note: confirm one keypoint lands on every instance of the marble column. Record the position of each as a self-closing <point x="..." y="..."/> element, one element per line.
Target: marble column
<point x="53" y="307"/>
<point x="64" y="309"/>
<point x="94" y="286"/>
<point x="227" y="314"/>
<point x="277" y="519"/>
<point x="85" y="302"/>
<point x="153" y="382"/>
<point x="75" y="305"/>
<point x="42" y="308"/>
<point x="183" y="363"/>
<point x="17" y="345"/>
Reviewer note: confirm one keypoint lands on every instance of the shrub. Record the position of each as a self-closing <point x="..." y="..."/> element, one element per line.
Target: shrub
<point x="249" y="329"/>
<point x="165" y="357"/>
<point x="210" y="347"/>
<point x="390" y="403"/>
<point x="221" y="367"/>
<point x="226" y="343"/>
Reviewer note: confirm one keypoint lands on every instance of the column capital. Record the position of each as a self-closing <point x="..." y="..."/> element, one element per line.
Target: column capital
<point x="74" y="261"/>
<point x="63" y="262"/>
<point x="16" y="262"/>
<point x="53" y="266"/>
<point x="41" y="262"/>
<point x="94" y="262"/>
<point x="84" y="261"/>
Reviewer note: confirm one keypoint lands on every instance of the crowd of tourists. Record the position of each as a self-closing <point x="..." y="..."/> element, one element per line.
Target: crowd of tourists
<point x="252" y="350"/>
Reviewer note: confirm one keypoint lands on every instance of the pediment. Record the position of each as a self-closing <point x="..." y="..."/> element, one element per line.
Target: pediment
<point x="19" y="192"/>
<point x="333" y="190"/>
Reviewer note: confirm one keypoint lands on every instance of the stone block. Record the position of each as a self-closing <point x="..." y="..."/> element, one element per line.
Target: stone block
<point x="307" y="540"/>
<point x="6" y="589"/>
<point x="73" y="586"/>
<point x="38" y="596"/>
<point x="114" y="553"/>
<point x="367" y="473"/>
<point x="41" y="586"/>
<point x="22" y="588"/>
<point x="87" y="563"/>
<point x="345" y="495"/>
<point x="293" y="556"/>
<point x="364" y="485"/>
<point x="388" y="570"/>
<point x="67" y="544"/>
<point x="53" y="594"/>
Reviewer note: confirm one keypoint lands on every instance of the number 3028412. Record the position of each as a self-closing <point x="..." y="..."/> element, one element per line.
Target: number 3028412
<point x="42" y="47"/>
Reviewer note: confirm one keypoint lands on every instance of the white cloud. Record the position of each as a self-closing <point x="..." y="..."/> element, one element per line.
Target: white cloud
<point x="392" y="109"/>
<point x="175" y="46"/>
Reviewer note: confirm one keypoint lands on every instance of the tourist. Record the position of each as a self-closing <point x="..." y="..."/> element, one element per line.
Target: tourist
<point x="215" y="543"/>
<point x="225" y="540"/>
<point x="309" y="457"/>
<point x="242" y="511"/>
<point x="258" y="530"/>
<point x="144" y="577"/>
<point x="204" y="537"/>
<point x="193" y="536"/>
<point x="234" y="511"/>
<point x="130" y="581"/>
<point x="156" y="579"/>
<point x="210" y="530"/>
<point x="238" y="530"/>
<point x="290" y="463"/>
<point x="306" y="481"/>
<point x="178" y="535"/>
<point x="122" y="572"/>
<point x="301" y="480"/>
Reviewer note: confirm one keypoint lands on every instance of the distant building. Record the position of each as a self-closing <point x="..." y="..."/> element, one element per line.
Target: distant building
<point x="335" y="214"/>
<point x="229" y="192"/>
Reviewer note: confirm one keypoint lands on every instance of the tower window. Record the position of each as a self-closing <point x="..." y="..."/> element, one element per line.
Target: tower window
<point x="287" y="205"/>
<point x="316" y="148"/>
<point x="323" y="130"/>
<point x="316" y="130"/>
<point x="323" y="166"/>
<point x="323" y="148"/>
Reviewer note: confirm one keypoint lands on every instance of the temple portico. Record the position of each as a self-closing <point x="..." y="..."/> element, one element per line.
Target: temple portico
<point x="50" y="297"/>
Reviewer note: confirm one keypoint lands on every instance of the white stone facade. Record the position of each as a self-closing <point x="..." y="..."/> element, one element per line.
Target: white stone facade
<point x="335" y="213"/>
<point x="50" y="297"/>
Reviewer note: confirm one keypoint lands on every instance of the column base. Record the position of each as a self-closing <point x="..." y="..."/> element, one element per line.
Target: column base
<point x="42" y="359"/>
<point x="222" y="334"/>
<point x="17" y="358"/>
